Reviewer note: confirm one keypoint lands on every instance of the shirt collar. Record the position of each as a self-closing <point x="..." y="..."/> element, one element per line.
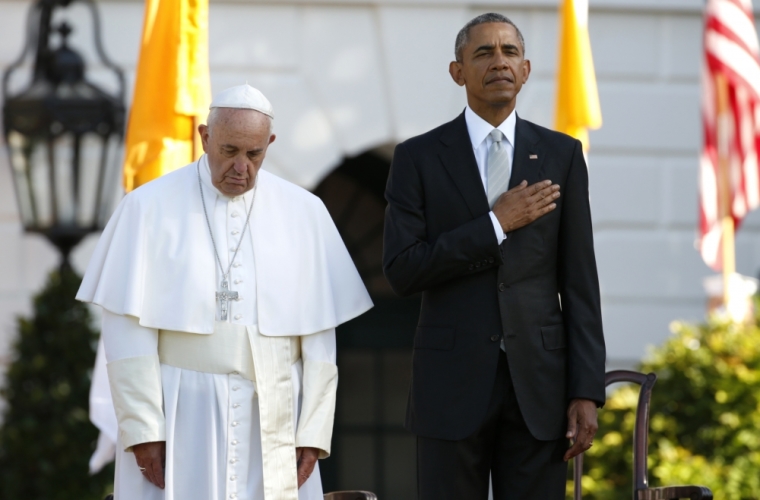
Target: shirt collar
<point x="479" y="129"/>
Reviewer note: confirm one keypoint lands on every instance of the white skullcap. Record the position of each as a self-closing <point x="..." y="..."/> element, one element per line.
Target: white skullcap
<point x="243" y="97"/>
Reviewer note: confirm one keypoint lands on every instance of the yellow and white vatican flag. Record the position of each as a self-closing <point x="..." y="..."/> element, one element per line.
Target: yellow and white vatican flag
<point x="172" y="90"/>
<point x="577" y="106"/>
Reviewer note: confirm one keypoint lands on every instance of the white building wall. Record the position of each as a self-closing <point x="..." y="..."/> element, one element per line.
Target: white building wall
<point x="345" y="76"/>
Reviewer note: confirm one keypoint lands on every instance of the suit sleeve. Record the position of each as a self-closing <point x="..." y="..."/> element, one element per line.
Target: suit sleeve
<point x="412" y="260"/>
<point x="579" y="288"/>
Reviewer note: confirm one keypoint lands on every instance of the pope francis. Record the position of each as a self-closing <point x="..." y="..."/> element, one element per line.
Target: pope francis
<point x="221" y="287"/>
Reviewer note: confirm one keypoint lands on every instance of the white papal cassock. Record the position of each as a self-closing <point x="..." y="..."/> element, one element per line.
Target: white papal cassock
<point x="232" y="399"/>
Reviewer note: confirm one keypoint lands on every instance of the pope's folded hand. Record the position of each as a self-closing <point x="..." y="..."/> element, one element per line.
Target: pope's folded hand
<point x="306" y="459"/>
<point x="150" y="459"/>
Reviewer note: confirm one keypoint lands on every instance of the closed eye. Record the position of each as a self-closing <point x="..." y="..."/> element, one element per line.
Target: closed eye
<point x="510" y="50"/>
<point x="483" y="51"/>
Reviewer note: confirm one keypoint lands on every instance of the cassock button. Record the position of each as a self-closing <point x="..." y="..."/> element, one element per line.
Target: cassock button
<point x="237" y="316"/>
<point x="232" y="478"/>
<point x="234" y="424"/>
<point x="235" y="232"/>
<point x="238" y="281"/>
<point x="234" y="214"/>
<point x="235" y="388"/>
<point x="233" y="495"/>
<point x="502" y="287"/>
<point x="234" y="442"/>
<point x="494" y="338"/>
<point x="236" y="405"/>
<point x="237" y="264"/>
<point x="233" y="460"/>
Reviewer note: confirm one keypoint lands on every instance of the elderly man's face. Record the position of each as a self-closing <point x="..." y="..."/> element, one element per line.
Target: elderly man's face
<point x="493" y="68"/>
<point x="236" y="142"/>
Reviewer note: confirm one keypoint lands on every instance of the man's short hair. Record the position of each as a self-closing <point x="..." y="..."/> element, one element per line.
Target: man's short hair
<point x="464" y="34"/>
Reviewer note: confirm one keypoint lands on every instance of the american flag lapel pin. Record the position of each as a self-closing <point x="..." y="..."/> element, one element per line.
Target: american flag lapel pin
<point x="533" y="157"/>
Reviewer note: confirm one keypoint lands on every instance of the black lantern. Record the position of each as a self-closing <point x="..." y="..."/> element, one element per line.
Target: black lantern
<point x="64" y="134"/>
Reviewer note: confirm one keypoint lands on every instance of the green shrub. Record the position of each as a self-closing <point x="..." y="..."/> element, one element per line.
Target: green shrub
<point x="705" y="417"/>
<point x="46" y="439"/>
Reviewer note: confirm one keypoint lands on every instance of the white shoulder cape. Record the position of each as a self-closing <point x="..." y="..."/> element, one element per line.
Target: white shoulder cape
<point x="155" y="260"/>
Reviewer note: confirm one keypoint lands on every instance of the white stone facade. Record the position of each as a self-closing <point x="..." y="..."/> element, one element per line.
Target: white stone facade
<point x="350" y="75"/>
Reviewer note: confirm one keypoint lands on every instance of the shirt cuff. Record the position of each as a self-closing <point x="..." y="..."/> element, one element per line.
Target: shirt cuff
<point x="500" y="236"/>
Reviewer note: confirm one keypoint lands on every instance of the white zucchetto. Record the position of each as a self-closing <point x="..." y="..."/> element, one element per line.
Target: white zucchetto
<point x="243" y="97"/>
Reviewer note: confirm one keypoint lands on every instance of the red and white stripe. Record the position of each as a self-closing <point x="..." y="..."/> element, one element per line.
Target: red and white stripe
<point x="731" y="48"/>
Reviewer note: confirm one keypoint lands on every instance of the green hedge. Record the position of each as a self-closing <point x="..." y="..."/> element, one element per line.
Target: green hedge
<point x="705" y="417"/>
<point x="46" y="439"/>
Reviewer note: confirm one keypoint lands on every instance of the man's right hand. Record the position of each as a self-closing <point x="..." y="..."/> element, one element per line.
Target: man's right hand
<point x="523" y="204"/>
<point x="151" y="457"/>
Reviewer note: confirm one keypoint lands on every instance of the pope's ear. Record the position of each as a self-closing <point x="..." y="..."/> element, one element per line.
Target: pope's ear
<point x="204" y="133"/>
<point x="272" y="138"/>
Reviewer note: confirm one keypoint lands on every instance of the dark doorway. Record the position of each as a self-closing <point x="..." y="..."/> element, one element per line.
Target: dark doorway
<point x="370" y="449"/>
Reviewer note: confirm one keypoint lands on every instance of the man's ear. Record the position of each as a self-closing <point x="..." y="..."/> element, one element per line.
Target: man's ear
<point x="455" y="70"/>
<point x="526" y="70"/>
<point x="203" y="131"/>
<point x="272" y="138"/>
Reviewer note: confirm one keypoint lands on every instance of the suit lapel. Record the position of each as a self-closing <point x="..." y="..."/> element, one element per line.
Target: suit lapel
<point x="529" y="155"/>
<point x="459" y="160"/>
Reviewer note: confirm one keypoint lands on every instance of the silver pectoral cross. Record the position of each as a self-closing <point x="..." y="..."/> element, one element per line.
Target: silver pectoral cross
<point x="225" y="295"/>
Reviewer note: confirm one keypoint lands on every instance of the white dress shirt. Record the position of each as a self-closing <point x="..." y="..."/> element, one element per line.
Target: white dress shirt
<point x="480" y="135"/>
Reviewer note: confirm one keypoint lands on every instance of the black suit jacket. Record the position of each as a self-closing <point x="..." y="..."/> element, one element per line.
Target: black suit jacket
<point x="538" y="289"/>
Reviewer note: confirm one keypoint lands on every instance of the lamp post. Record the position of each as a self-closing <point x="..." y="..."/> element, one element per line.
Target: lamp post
<point x="64" y="134"/>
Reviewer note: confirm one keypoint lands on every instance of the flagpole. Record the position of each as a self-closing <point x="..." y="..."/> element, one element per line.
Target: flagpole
<point x="724" y="185"/>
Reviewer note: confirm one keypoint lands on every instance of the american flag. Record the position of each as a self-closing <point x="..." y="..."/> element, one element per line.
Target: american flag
<point x="731" y="49"/>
